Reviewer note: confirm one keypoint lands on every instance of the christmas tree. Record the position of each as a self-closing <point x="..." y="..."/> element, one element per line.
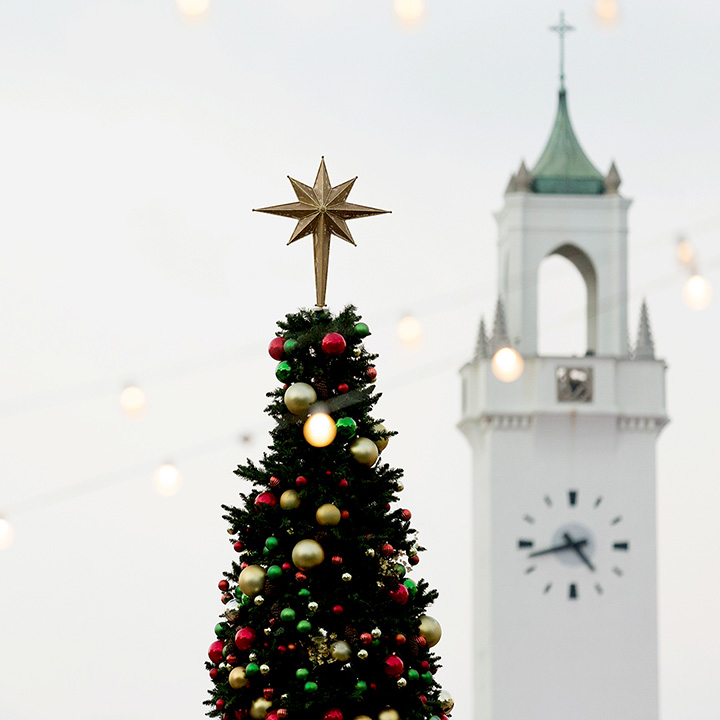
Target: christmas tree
<point x="322" y="621"/>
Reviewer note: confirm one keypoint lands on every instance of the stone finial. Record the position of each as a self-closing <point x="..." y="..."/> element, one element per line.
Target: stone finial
<point x="500" y="337"/>
<point x="523" y="179"/>
<point x="612" y="180"/>
<point x="482" y="346"/>
<point x="512" y="184"/>
<point x="644" y="347"/>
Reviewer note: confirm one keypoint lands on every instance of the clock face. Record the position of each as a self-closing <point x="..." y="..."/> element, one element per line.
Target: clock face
<point x="574" y="547"/>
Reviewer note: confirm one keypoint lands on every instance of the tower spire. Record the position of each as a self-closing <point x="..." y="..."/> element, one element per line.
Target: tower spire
<point x="482" y="349"/>
<point x="500" y="337"/>
<point x="562" y="28"/>
<point x="645" y="346"/>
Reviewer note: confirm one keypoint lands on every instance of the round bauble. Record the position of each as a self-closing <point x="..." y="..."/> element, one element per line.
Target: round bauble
<point x="400" y="595"/>
<point x="446" y="701"/>
<point x="299" y="397"/>
<point x="340" y="650"/>
<point x="259" y="708"/>
<point x="244" y="638"/>
<point x="237" y="678"/>
<point x="264" y="669"/>
<point x="265" y="499"/>
<point x="274" y="572"/>
<point x="389" y="714"/>
<point x="371" y="373"/>
<point x="328" y="514"/>
<point x="430" y="629"/>
<point x="277" y="348"/>
<point x="319" y="430"/>
<point x="362" y="654"/>
<point x="289" y="500"/>
<point x="252" y="580"/>
<point x="342" y="388"/>
<point x="215" y="652"/>
<point x="310" y="687"/>
<point x="361" y="330"/>
<point x="333" y="344"/>
<point x="364" y="451"/>
<point x="362" y="717"/>
<point x="346" y="427"/>
<point x="333" y="714"/>
<point x="283" y="371"/>
<point x="402" y="682"/>
<point x="290" y="346"/>
<point x="394" y="666"/>
<point x="383" y="440"/>
<point x="307" y="554"/>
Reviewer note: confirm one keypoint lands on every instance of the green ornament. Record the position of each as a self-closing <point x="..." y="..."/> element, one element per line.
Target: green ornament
<point x="375" y="643"/>
<point x="302" y="674"/>
<point x="266" y="551"/>
<point x="361" y="686"/>
<point x="226" y="650"/>
<point x="346" y="427"/>
<point x="287" y="615"/>
<point x="304" y="593"/>
<point x="361" y="330"/>
<point x="411" y="586"/>
<point x="304" y="626"/>
<point x="427" y="678"/>
<point x="290" y="346"/>
<point x="413" y="675"/>
<point x="283" y="371"/>
<point x="274" y="572"/>
<point x="252" y="669"/>
<point x="310" y="687"/>
<point x="271" y="543"/>
<point x="400" y="570"/>
<point x="220" y="629"/>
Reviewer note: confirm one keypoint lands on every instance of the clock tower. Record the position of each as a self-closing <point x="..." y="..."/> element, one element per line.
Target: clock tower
<point x="564" y="508"/>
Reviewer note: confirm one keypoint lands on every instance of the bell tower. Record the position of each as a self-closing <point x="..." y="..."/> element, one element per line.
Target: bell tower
<point x="564" y="560"/>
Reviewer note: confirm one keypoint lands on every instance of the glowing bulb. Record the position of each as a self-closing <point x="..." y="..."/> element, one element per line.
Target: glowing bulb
<point x="132" y="400"/>
<point x="685" y="252"/>
<point x="167" y="480"/>
<point x="507" y="364"/>
<point x="193" y="8"/>
<point x="7" y="534"/>
<point x="697" y="292"/>
<point x="410" y="331"/>
<point x="319" y="430"/>
<point x="606" y="11"/>
<point x="409" y="11"/>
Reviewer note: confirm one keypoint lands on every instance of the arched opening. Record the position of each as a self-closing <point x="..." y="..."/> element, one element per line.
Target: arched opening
<point x="567" y="303"/>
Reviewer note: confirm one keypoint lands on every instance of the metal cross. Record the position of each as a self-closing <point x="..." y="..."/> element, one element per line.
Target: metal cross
<point x="561" y="29"/>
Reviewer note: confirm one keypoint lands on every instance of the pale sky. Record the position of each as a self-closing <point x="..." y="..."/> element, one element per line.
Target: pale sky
<point x="134" y="145"/>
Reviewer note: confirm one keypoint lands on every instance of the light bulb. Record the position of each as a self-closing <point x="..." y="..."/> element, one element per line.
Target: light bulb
<point x="697" y="292"/>
<point x="685" y="252"/>
<point x="132" y="400"/>
<point x="410" y="331"/>
<point x="319" y="430"/>
<point x="409" y="11"/>
<point x="167" y="480"/>
<point x="606" y="11"/>
<point x="193" y="8"/>
<point x="507" y="364"/>
<point x="7" y="534"/>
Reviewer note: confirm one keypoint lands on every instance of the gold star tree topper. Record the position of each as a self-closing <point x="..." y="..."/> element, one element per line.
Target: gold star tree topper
<point x="321" y="210"/>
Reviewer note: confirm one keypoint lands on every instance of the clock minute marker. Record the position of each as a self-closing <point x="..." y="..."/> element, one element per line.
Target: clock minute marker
<point x="621" y="546"/>
<point x="530" y="569"/>
<point x="598" y="501"/>
<point x="616" y="520"/>
<point x="598" y="588"/>
<point x="547" y="588"/>
<point x="572" y="497"/>
<point x="617" y="571"/>
<point x="548" y="501"/>
<point x="572" y="592"/>
<point x="529" y="519"/>
<point x="525" y="543"/>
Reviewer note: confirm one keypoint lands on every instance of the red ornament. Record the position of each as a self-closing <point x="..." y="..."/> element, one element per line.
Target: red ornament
<point x="414" y="559"/>
<point x="400" y="595"/>
<point x="265" y="498"/>
<point x="393" y="666"/>
<point x="400" y="639"/>
<point x="343" y="483"/>
<point x="365" y="638"/>
<point x="291" y="647"/>
<point x="244" y="638"/>
<point x="406" y="514"/>
<point x="237" y="546"/>
<point x="422" y="699"/>
<point x="301" y="481"/>
<point x="268" y="693"/>
<point x="387" y="550"/>
<point x="240" y="714"/>
<point x="220" y="704"/>
<point x="215" y="651"/>
<point x="344" y="514"/>
<point x="336" y="560"/>
<point x="421" y="641"/>
<point x="214" y="673"/>
<point x="271" y="716"/>
<point x="274" y="482"/>
<point x="276" y="348"/>
<point x="343" y="388"/>
<point x="373" y="686"/>
<point x="328" y="472"/>
<point x="226" y="598"/>
<point x="425" y="665"/>
<point x="338" y="610"/>
<point x="371" y="372"/>
<point x="286" y="566"/>
<point x="224" y="585"/>
<point x="333" y="714"/>
<point x="231" y="659"/>
<point x="333" y="344"/>
<point x="243" y="565"/>
<point x="282" y="713"/>
<point x="300" y="577"/>
<point x="282" y="649"/>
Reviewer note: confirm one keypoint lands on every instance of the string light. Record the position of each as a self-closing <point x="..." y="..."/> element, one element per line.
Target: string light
<point x="697" y="292"/>
<point x="507" y="364"/>
<point x="685" y="252"/>
<point x="132" y="400"/>
<point x="319" y="429"/>
<point x="606" y="11"/>
<point x="193" y="8"/>
<point x="167" y="480"/>
<point x="7" y="534"/>
<point x="410" y="331"/>
<point x="410" y="12"/>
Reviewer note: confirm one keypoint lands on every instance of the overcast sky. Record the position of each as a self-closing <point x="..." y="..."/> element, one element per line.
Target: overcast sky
<point x="134" y="145"/>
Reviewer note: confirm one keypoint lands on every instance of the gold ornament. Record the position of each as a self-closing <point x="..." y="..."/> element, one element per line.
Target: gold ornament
<point x="299" y="397"/>
<point x="446" y="701"/>
<point x="259" y="708"/>
<point x="430" y="629"/>
<point x="402" y="682"/>
<point x="321" y="210"/>
<point x="259" y="600"/>
<point x="362" y="654"/>
<point x="237" y="678"/>
<point x="381" y="442"/>
<point x="319" y="430"/>
<point x="376" y="633"/>
<point x="364" y="450"/>
<point x="289" y="500"/>
<point x="328" y="514"/>
<point x="307" y="554"/>
<point x="389" y="714"/>
<point x="362" y="717"/>
<point x="264" y="669"/>
<point x="340" y="650"/>
<point x="252" y="580"/>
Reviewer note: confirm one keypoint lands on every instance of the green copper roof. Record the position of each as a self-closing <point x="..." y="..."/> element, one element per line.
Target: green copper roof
<point x="563" y="168"/>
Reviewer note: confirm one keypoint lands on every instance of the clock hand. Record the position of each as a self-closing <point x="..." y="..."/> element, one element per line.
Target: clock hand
<point x="569" y="545"/>
<point x="576" y="547"/>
